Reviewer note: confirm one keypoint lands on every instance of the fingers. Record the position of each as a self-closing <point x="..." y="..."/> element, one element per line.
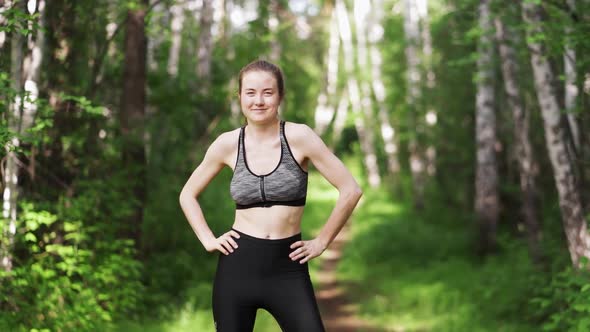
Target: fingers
<point x="231" y="240"/>
<point x="226" y="243"/>
<point x="297" y="244"/>
<point x="221" y="248"/>
<point x="302" y="252"/>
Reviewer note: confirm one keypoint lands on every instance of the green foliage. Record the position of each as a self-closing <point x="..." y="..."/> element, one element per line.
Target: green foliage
<point x="413" y="271"/>
<point x="68" y="279"/>
<point x="562" y="300"/>
<point x="5" y="97"/>
<point x="19" y="21"/>
<point x="74" y="269"/>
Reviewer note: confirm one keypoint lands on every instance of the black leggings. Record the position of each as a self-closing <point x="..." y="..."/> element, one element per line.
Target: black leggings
<point x="260" y="274"/>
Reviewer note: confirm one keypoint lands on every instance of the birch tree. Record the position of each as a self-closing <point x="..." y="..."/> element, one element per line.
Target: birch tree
<point x="570" y="203"/>
<point x="364" y="118"/>
<point x="413" y="97"/>
<point x="324" y="112"/>
<point x="160" y="15"/>
<point x="341" y="114"/>
<point x="431" y="115"/>
<point x="523" y="148"/>
<point x="176" y="25"/>
<point x="25" y="73"/>
<point x="486" y="178"/>
<point x="375" y="33"/>
<point x="571" y="88"/>
<point x="369" y="157"/>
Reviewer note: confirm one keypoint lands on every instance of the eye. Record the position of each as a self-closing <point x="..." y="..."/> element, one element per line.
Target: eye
<point x="268" y="93"/>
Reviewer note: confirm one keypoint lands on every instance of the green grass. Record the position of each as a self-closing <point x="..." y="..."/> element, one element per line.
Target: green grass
<point x="414" y="272"/>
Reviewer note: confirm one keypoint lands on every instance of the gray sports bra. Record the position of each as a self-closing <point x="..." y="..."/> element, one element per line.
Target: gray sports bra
<point x="285" y="185"/>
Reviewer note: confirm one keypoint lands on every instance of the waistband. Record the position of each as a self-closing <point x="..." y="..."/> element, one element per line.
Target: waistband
<point x="259" y="240"/>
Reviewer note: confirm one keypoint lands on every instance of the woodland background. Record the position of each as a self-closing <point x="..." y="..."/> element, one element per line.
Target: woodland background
<point x="465" y="121"/>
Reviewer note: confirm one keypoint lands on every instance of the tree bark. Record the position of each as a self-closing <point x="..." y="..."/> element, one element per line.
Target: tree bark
<point x="162" y="19"/>
<point x="177" y="11"/>
<point x="375" y="34"/>
<point x="364" y="113"/>
<point x="571" y="87"/>
<point x="325" y="109"/>
<point x="523" y="148"/>
<point x="414" y="99"/>
<point x="25" y="72"/>
<point x="486" y="181"/>
<point x="367" y="148"/>
<point x="570" y="203"/>
<point x="430" y="78"/>
<point x="133" y="103"/>
<point x="341" y="115"/>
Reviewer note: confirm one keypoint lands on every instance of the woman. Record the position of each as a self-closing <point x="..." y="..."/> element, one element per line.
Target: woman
<point x="263" y="259"/>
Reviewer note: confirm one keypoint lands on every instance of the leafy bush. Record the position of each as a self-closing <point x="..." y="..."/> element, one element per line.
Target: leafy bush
<point x="69" y="280"/>
<point x="563" y="303"/>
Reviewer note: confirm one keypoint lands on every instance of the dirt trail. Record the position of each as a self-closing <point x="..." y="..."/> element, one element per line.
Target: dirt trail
<point x="337" y="309"/>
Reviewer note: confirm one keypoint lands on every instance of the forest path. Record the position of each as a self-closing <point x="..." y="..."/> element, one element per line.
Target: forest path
<point x="339" y="313"/>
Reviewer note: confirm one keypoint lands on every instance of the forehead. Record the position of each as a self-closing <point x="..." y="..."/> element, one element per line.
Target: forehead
<point x="258" y="80"/>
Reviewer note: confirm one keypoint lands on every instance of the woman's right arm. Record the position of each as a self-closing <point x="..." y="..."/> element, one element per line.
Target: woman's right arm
<point x="211" y="165"/>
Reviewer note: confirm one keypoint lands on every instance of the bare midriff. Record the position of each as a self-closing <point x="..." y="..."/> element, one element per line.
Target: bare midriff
<point x="275" y="222"/>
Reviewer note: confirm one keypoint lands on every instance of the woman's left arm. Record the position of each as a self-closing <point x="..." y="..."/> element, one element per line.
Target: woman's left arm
<point x="338" y="175"/>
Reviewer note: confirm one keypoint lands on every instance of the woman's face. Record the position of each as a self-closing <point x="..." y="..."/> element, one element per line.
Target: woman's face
<point x="259" y="97"/>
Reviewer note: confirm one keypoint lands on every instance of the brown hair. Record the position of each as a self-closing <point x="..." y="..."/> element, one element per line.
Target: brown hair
<point x="263" y="65"/>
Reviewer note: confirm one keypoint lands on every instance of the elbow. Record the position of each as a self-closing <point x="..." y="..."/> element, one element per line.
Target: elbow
<point x="184" y="196"/>
<point x="358" y="192"/>
<point x="354" y="191"/>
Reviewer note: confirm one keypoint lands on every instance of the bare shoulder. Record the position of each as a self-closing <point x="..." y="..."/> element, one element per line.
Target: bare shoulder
<point x="297" y="131"/>
<point x="224" y="145"/>
<point x="302" y="137"/>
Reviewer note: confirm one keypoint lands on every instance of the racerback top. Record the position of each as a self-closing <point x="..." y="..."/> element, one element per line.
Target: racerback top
<point x="285" y="185"/>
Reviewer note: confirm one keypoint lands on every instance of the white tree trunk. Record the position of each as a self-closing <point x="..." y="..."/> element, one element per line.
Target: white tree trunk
<point x="176" y="25"/>
<point x="523" y="148"/>
<point x="21" y="116"/>
<point x="431" y="115"/>
<point x="160" y="15"/>
<point x="228" y="7"/>
<point x="413" y="98"/>
<point x="486" y="179"/>
<point x="375" y="34"/>
<point x="571" y="88"/>
<point x="569" y="196"/>
<point x="325" y="109"/>
<point x="368" y="150"/>
<point x="412" y="35"/>
<point x="341" y="115"/>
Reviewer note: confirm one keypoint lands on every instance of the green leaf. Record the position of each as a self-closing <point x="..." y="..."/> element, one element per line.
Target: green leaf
<point x="30" y="237"/>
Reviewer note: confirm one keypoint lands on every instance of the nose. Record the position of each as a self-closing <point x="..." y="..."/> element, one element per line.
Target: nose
<point x="260" y="100"/>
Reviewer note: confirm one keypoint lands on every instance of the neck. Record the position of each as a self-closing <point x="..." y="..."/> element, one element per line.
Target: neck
<point x="263" y="131"/>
